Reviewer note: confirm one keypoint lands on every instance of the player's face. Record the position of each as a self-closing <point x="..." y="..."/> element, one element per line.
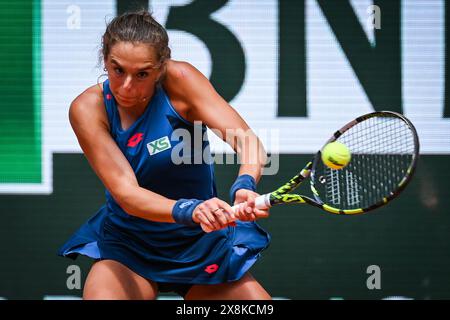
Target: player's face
<point x="132" y="71"/>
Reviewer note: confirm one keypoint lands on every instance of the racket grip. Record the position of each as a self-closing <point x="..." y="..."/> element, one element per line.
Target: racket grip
<point x="261" y="202"/>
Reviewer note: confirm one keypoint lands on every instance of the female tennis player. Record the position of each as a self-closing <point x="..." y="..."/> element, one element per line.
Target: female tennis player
<point x="148" y="238"/>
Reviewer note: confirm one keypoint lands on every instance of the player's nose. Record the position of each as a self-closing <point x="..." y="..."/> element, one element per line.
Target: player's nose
<point x="127" y="84"/>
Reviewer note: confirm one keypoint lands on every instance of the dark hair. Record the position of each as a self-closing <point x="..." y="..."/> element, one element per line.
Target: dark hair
<point x="138" y="27"/>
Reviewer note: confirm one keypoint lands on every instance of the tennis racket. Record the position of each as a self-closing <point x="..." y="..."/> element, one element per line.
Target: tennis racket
<point x="384" y="150"/>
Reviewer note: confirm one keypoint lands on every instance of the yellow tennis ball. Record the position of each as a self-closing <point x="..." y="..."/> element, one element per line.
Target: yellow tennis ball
<point x="336" y="155"/>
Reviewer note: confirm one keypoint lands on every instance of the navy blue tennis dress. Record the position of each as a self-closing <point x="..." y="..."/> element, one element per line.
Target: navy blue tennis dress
<point x="166" y="252"/>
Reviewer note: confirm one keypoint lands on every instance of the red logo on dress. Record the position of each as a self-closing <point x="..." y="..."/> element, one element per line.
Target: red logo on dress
<point x="212" y="268"/>
<point x="108" y="96"/>
<point x="134" y="140"/>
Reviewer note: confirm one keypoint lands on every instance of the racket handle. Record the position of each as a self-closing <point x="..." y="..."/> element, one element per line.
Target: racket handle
<point x="261" y="202"/>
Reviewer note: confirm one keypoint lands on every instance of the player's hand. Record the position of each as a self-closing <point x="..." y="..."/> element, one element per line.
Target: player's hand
<point x="214" y="213"/>
<point x="247" y="210"/>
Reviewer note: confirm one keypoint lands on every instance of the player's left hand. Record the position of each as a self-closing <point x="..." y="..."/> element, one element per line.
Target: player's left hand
<point x="247" y="210"/>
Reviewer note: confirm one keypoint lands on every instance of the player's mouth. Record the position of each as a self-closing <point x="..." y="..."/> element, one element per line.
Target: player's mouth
<point x="124" y="98"/>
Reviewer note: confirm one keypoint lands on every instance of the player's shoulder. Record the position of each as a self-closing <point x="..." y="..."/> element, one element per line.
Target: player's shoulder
<point x="89" y="97"/>
<point x="181" y="74"/>
<point x="88" y="104"/>
<point x="179" y="70"/>
<point x="182" y="78"/>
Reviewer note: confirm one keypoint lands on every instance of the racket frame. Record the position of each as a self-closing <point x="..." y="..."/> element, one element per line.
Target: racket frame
<point x="283" y="194"/>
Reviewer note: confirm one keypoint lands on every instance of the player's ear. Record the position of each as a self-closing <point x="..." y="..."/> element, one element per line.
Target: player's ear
<point x="104" y="64"/>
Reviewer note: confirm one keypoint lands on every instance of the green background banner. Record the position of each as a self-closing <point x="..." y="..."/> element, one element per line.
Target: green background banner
<point x="20" y="127"/>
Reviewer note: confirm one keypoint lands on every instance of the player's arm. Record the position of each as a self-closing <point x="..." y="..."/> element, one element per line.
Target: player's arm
<point x="195" y="96"/>
<point x="89" y="121"/>
<point x="191" y="91"/>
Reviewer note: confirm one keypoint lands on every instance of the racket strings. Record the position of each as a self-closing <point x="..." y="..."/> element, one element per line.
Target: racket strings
<point x="382" y="150"/>
<point x="333" y="187"/>
<point x="366" y="137"/>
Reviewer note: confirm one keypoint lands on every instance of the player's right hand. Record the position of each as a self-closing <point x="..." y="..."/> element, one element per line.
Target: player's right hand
<point x="246" y="207"/>
<point x="214" y="214"/>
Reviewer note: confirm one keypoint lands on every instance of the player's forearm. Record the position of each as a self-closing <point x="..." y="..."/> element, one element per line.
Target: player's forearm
<point x="253" y="158"/>
<point x="253" y="170"/>
<point x="145" y="204"/>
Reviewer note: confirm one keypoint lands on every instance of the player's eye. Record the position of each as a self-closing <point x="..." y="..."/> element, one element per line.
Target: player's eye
<point x="142" y="75"/>
<point x="118" y="71"/>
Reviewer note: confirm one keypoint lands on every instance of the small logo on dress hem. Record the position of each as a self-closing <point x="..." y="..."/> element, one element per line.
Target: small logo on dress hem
<point x="212" y="268"/>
